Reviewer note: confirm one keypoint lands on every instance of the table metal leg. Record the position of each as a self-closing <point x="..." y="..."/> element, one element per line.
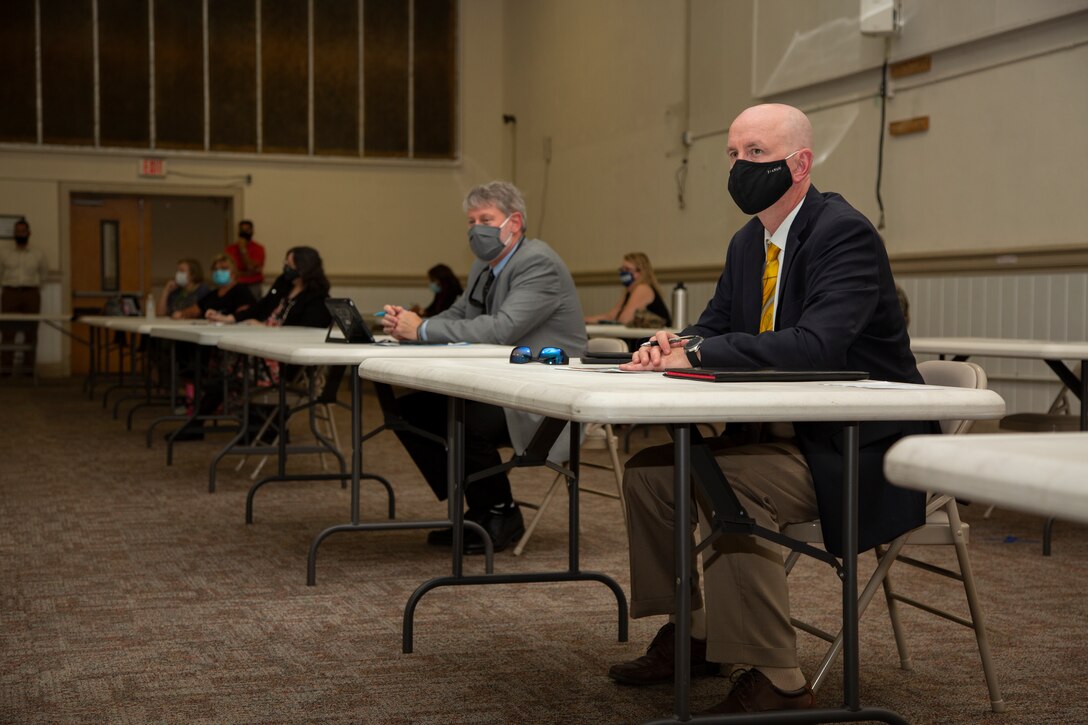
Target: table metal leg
<point x="457" y="482"/>
<point x="851" y="711"/>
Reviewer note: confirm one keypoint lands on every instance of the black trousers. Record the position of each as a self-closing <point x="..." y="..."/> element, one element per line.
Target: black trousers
<point x="485" y="433"/>
<point x="20" y="299"/>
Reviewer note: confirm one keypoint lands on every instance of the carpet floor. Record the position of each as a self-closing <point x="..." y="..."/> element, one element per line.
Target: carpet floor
<point x="130" y="594"/>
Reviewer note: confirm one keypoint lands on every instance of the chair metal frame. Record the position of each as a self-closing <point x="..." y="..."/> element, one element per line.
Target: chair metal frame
<point x="943" y="527"/>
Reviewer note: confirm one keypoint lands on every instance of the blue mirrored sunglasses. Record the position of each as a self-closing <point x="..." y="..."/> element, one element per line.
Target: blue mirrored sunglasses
<point x="548" y="355"/>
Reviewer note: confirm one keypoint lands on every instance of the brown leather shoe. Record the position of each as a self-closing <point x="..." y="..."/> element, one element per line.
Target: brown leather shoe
<point x="753" y="692"/>
<point x="656" y="666"/>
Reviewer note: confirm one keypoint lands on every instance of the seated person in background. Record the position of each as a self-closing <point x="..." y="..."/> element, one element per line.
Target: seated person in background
<point x="642" y="304"/>
<point x="521" y="293"/>
<point x="296" y="298"/>
<point x="226" y="296"/>
<point x="446" y="288"/>
<point x="832" y="306"/>
<point x="184" y="290"/>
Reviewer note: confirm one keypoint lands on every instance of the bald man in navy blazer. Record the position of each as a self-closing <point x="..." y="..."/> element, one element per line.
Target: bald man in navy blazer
<point x="806" y="285"/>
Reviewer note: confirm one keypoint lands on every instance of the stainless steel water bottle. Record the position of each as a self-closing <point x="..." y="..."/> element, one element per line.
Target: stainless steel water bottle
<point x="679" y="306"/>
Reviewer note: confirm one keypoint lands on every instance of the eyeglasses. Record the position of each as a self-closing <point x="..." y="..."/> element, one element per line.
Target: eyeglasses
<point x="548" y="356"/>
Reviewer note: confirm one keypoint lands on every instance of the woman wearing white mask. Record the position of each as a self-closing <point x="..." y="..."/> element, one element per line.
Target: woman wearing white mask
<point x="184" y="290"/>
<point x="226" y="296"/>
<point x="642" y="303"/>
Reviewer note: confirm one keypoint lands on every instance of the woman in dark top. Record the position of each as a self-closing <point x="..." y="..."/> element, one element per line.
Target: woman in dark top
<point x="446" y="288"/>
<point x="296" y="299"/>
<point x="642" y="296"/>
<point x="183" y="291"/>
<point x="227" y="295"/>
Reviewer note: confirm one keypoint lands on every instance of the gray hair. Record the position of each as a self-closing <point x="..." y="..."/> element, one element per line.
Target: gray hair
<point x="501" y="194"/>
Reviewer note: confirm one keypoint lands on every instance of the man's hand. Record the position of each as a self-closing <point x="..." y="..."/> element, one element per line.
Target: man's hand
<point x="169" y="287"/>
<point x="659" y="356"/>
<point x="401" y="323"/>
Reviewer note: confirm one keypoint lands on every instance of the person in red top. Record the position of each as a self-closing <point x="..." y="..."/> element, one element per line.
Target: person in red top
<point x="248" y="258"/>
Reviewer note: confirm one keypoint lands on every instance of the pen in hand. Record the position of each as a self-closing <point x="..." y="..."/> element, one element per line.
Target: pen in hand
<point x="654" y="343"/>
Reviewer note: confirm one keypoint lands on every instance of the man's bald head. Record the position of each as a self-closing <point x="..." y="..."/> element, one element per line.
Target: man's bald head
<point x="763" y="135"/>
<point x="777" y="122"/>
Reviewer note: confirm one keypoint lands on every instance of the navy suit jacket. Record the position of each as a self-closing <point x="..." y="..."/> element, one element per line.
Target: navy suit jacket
<point x="837" y="310"/>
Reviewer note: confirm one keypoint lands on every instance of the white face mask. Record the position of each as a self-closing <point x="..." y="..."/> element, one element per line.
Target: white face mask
<point x="182" y="278"/>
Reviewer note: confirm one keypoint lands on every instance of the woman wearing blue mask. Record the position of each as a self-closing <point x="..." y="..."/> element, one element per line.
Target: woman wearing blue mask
<point x="296" y="298"/>
<point x="227" y="296"/>
<point x="446" y="288"/>
<point x="641" y="304"/>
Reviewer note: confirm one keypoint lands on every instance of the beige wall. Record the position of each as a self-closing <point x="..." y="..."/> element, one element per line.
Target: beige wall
<point x="610" y="88"/>
<point x="366" y="218"/>
<point x="614" y="84"/>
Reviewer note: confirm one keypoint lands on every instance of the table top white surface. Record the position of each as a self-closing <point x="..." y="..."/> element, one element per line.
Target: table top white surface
<point x="97" y="320"/>
<point x="1043" y="473"/>
<point x="136" y="323"/>
<point x="651" y="398"/>
<point x="320" y="352"/>
<point x="35" y="316"/>
<point x="595" y="329"/>
<point x="1001" y="347"/>
<point x="215" y="333"/>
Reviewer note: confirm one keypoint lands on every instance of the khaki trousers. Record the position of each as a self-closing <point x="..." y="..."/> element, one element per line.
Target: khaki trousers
<point x="744" y="582"/>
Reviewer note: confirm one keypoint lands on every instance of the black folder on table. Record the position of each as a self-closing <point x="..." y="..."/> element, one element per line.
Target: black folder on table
<point x="605" y="358"/>
<point x="761" y="375"/>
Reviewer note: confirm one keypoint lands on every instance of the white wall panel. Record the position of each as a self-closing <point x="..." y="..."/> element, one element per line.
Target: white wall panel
<point x="1035" y="306"/>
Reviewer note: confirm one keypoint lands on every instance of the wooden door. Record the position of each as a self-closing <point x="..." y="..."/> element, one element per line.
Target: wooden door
<point x="110" y="255"/>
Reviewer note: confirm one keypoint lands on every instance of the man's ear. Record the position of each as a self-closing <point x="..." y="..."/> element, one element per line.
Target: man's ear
<point x="802" y="164"/>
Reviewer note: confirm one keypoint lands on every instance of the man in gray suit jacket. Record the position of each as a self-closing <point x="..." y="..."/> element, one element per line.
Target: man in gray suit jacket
<point x="519" y="293"/>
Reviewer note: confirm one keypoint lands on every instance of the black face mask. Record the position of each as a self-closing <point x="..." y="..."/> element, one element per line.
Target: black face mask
<point x="290" y="274"/>
<point x="246" y="235"/>
<point x="22" y="241"/>
<point x="756" y="186"/>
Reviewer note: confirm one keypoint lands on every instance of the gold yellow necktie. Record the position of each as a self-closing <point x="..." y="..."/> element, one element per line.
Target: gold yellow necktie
<point x="770" y="281"/>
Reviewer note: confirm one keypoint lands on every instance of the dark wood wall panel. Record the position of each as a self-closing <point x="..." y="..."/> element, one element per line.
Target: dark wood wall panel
<point x="336" y="77"/>
<point x="124" y="74"/>
<point x="161" y="101"/>
<point x="19" y="120"/>
<point x="385" y="77"/>
<point x="435" y="79"/>
<point x="284" y="76"/>
<point x="179" y="74"/>
<point x="232" y="57"/>
<point x="67" y="72"/>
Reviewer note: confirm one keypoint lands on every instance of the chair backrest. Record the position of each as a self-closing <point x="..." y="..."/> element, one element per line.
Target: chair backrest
<point x="606" y="344"/>
<point x="953" y="374"/>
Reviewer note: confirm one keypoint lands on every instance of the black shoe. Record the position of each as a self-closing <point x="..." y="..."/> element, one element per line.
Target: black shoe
<point x="502" y="523"/>
<point x="188" y="432"/>
<point x="656" y="666"/>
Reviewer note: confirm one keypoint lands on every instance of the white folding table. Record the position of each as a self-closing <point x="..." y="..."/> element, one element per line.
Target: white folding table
<point x="597" y="329"/>
<point x="1053" y="353"/>
<point x="340" y="353"/>
<point x="52" y="319"/>
<point x="582" y="396"/>
<point x="1041" y="473"/>
<point x="202" y="334"/>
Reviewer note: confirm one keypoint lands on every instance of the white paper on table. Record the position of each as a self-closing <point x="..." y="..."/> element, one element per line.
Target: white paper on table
<point x="879" y="384"/>
<point x="602" y="369"/>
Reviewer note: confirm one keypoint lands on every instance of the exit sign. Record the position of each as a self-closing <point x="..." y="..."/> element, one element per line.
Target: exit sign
<point x="153" y="167"/>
